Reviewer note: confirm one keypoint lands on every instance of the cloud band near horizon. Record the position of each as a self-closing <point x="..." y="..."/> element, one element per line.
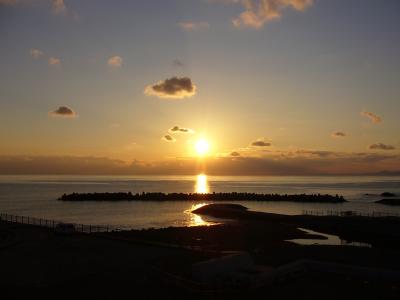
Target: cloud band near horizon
<point x="301" y="162"/>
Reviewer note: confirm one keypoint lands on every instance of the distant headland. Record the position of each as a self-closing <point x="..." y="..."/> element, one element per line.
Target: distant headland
<point x="312" y="198"/>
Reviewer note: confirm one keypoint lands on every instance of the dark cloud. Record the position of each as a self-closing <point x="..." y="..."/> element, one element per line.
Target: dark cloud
<point x="63" y="111"/>
<point x="261" y="143"/>
<point x="373" y="117"/>
<point x="177" y="129"/>
<point x="235" y="154"/>
<point x="371" y="157"/>
<point x="319" y="153"/>
<point x="172" y="88"/>
<point x="340" y="164"/>
<point x="380" y="146"/>
<point x="169" y="138"/>
<point x="338" y="134"/>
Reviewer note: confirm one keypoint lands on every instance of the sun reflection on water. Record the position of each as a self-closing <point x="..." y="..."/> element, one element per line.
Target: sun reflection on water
<point x="201" y="186"/>
<point x="196" y="220"/>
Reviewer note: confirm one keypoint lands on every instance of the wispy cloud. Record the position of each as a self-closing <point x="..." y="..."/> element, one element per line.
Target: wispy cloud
<point x="380" y="146"/>
<point x="36" y="53"/>
<point x="178" y="63"/>
<point x="172" y="88"/>
<point x="168" y="138"/>
<point x="194" y="26"/>
<point x="373" y="117"/>
<point x="63" y="112"/>
<point x="54" y="61"/>
<point x="115" y="61"/>
<point x="258" y="12"/>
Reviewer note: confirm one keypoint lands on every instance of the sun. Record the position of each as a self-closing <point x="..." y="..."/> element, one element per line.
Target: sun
<point x="202" y="147"/>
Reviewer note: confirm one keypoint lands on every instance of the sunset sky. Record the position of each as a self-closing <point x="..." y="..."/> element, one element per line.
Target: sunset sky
<point x="271" y="87"/>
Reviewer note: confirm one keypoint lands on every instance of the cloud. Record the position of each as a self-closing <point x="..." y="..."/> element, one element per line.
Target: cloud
<point x="177" y="129"/>
<point x="168" y="138"/>
<point x="313" y="153"/>
<point x="58" y="7"/>
<point x="261" y="143"/>
<point x="64" y="112"/>
<point x="178" y="63"/>
<point x="373" y="117"/>
<point x="274" y="164"/>
<point x="338" y="134"/>
<point x="54" y="61"/>
<point x="23" y="164"/>
<point x="258" y="12"/>
<point x="36" y="53"/>
<point x="380" y="146"/>
<point x="115" y="61"/>
<point x="235" y="154"/>
<point x="172" y="88"/>
<point x="194" y="26"/>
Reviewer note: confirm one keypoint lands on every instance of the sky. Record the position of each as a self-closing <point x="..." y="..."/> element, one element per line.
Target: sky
<point x="272" y="87"/>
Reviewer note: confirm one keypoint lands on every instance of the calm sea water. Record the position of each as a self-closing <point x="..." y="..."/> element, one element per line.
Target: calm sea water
<point x="37" y="196"/>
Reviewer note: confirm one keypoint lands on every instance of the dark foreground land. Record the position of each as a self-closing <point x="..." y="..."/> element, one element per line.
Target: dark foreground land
<point x="155" y="263"/>
<point x="389" y="201"/>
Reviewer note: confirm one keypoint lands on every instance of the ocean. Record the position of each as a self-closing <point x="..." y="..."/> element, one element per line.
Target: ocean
<point x="36" y="196"/>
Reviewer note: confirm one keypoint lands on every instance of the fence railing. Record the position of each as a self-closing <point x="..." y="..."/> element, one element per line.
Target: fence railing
<point x="336" y="213"/>
<point x="56" y="225"/>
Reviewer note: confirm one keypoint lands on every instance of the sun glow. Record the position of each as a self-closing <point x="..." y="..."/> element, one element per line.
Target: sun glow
<point x="202" y="147"/>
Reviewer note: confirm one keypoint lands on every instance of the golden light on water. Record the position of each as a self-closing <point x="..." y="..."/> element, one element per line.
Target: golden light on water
<point x="196" y="220"/>
<point x="201" y="186"/>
